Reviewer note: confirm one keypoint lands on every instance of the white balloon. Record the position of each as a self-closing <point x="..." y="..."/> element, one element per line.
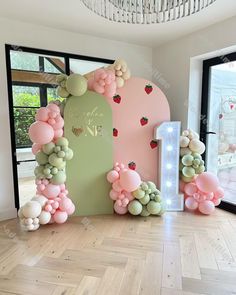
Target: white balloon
<point x="41" y="199"/>
<point x="44" y="217"/>
<point x="31" y="209"/>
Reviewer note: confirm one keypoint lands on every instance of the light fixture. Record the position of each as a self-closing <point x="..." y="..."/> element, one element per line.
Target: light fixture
<point x="146" y="11"/>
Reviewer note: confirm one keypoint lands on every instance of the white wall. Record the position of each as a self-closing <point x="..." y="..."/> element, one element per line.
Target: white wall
<point x="174" y="61"/>
<point x="23" y="34"/>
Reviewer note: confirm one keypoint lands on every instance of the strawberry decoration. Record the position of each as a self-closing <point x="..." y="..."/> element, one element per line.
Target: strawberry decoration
<point x="148" y="88"/>
<point x="231" y="106"/>
<point x="132" y="166"/>
<point x="117" y="98"/>
<point x="115" y="132"/>
<point x="153" y="144"/>
<point x="143" y="121"/>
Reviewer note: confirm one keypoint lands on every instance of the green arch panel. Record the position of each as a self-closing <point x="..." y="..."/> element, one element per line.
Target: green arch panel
<point x="88" y="127"/>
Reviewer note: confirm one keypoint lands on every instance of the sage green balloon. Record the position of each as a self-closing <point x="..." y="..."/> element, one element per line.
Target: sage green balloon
<point x="144" y="186"/>
<point x="38" y="171"/>
<point x="62" y="141"/>
<point x="41" y="158"/>
<point x="138" y="193"/>
<point x="61" y="154"/>
<point x="158" y="198"/>
<point x="48" y="148"/>
<point x="59" y="178"/>
<point x="200" y="169"/>
<point x="154" y="207"/>
<point x="57" y="149"/>
<point x="187" y="160"/>
<point x="54" y="171"/>
<point x="196" y="162"/>
<point x="46" y="171"/>
<point x="62" y="92"/>
<point x="151" y="186"/>
<point x="145" y="200"/>
<point x="135" y="207"/>
<point x="55" y="161"/>
<point x="76" y="85"/>
<point x="197" y="156"/>
<point x="188" y="171"/>
<point x="69" y="154"/>
<point x="186" y="179"/>
<point x="145" y="212"/>
<point x="62" y="165"/>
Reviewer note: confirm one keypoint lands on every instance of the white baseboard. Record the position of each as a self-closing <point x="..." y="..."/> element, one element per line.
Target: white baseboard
<point x="8" y="214"/>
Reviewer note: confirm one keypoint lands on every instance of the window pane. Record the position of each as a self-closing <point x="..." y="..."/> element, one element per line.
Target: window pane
<point x="52" y="94"/>
<point x="26" y="96"/>
<point x="24" y="117"/>
<point x="84" y="66"/>
<point x="24" y="61"/>
<point x="54" y="65"/>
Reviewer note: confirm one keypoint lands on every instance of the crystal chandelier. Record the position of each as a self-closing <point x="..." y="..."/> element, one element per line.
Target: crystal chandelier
<point x="145" y="11"/>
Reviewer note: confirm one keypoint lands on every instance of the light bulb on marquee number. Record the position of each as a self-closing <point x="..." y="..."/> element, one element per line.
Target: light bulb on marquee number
<point x="168" y="134"/>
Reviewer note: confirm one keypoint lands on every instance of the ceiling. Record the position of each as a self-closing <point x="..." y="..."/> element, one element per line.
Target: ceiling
<point x="72" y="15"/>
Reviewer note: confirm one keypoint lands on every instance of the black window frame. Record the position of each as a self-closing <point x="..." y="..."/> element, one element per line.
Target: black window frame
<point x="204" y="131"/>
<point x="67" y="57"/>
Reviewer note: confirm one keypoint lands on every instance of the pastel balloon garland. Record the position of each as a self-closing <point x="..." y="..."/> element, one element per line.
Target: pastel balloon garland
<point x="132" y="195"/>
<point x="51" y="149"/>
<point x="201" y="189"/>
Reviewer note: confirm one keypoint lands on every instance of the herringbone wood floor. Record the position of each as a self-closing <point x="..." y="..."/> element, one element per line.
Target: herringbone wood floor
<point x="179" y="254"/>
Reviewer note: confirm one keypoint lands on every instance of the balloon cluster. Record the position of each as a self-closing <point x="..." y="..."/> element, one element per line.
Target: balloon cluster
<point x="51" y="150"/>
<point x="147" y="200"/>
<point x="103" y="81"/>
<point x="75" y="85"/>
<point x="122" y="72"/>
<point x="52" y="161"/>
<point x="191" y="162"/>
<point x="52" y="205"/>
<point x="203" y="194"/>
<point x="48" y="126"/>
<point x="131" y="194"/>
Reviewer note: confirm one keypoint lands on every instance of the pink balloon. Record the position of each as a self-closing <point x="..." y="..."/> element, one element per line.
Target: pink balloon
<point x="191" y="203"/>
<point x="190" y="189"/>
<point x="53" y="107"/>
<point x="48" y="208"/>
<point x="128" y="195"/>
<point x="36" y="148"/>
<point x="181" y="186"/>
<point x="114" y="195"/>
<point x="216" y="201"/>
<point x="71" y="210"/>
<point x="42" y="114"/>
<point x="116" y="186"/>
<point x="206" y="207"/>
<point x="219" y="194"/>
<point x="59" y="124"/>
<point x="60" y="216"/>
<point x="112" y="176"/>
<point x="52" y="191"/>
<point x="207" y="182"/>
<point x="41" y="132"/>
<point x="130" y="180"/>
<point x="119" y="209"/>
<point x="58" y="133"/>
<point x="65" y="204"/>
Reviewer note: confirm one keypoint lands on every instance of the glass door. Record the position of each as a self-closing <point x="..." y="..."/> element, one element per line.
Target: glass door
<point x="218" y="130"/>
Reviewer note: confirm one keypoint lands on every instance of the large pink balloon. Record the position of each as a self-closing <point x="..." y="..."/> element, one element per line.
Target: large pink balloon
<point x="206" y="207"/>
<point x="207" y="182"/>
<point x="52" y="191"/>
<point x="119" y="209"/>
<point x="42" y="114"/>
<point x="41" y="132"/>
<point x="36" y="147"/>
<point x="71" y="210"/>
<point x="60" y="216"/>
<point x="190" y="189"/>
<point x="65" y="204"/>
<point x="191" y="203"/>
<point x="130" y="180"/>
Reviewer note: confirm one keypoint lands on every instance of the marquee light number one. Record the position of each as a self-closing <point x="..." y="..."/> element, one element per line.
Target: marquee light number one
<point x="168" y="135"/>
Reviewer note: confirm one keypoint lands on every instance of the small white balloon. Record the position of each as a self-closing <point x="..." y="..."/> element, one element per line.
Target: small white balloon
<point x="44" y="217"/>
